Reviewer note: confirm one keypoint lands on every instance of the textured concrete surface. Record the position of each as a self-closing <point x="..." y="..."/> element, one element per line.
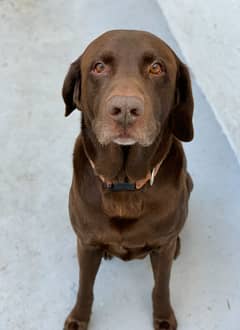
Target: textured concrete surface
<point x="38" y="265"/>
<point x="208" y="35"/>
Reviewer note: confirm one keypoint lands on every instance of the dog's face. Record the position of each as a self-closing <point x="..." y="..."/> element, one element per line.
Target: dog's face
<point x="130" y="84"/>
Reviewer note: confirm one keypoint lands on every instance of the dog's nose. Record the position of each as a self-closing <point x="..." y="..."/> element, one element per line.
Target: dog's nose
<point x="125" y="109"/>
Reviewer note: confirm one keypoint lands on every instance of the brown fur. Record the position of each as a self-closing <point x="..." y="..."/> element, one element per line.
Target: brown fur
<point x="129" y="224"/>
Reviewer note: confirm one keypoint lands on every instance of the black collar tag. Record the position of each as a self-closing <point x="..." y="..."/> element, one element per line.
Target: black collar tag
<point x="121" y="186"/>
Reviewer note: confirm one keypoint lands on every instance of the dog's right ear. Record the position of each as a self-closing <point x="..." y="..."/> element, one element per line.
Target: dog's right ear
<point x="71" y="90"/>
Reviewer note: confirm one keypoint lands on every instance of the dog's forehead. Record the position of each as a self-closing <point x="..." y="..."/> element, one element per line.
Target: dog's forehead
<point x="128" y="43"/>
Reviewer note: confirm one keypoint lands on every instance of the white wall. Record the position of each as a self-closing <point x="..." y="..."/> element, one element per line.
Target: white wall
<point x="208" y="33"/>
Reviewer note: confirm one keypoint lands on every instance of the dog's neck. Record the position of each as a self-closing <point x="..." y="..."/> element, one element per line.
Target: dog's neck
<point x="118" y="163"/>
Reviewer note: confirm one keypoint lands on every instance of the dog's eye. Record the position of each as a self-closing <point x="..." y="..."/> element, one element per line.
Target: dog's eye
<point x="156" y="68"/>
<point x="99" y="67"/>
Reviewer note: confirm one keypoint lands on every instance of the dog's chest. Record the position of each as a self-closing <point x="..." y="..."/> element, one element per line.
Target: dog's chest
<point x="133" y="238"/>
<point x="149" y="222"/>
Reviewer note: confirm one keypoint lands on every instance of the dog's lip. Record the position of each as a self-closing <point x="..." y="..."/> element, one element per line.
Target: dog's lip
<point x="124" y="139"/>
<point x="124" y="136"/>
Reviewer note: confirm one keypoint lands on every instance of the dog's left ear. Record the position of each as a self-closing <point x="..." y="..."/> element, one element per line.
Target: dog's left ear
<point x="182" y="112"/>
<point x="71" y="90"/>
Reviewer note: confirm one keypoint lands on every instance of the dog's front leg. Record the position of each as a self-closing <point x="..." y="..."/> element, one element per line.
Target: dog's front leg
<point x="89" y="261"/>
<point x="164" y="318"/>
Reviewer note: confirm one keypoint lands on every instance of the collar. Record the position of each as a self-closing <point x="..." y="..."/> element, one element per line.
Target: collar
<point x="126" y="186"/>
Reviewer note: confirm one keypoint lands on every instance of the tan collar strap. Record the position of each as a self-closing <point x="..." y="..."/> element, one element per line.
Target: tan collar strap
<point x="121" y="186"/>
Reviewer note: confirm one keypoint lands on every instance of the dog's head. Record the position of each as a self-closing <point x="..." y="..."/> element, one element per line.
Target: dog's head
<point x="130" y="84"/>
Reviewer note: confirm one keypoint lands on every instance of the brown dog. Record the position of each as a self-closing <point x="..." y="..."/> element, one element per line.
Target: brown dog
<point x="130" y="188"/>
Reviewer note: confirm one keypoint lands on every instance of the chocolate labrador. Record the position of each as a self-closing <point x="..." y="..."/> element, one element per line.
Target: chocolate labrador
<point x="130" y="188"/>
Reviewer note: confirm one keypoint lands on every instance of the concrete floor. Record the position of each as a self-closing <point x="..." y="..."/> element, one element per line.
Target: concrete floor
<point x="38" y="265"/>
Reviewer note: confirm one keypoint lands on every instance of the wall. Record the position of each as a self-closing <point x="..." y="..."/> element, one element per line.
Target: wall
<point x="208" y="34"/>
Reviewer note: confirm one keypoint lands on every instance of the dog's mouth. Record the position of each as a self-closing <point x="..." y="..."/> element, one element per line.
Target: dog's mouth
<point x="108" y="132"/>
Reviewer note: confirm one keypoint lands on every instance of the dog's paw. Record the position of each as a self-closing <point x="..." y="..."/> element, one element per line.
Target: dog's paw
<point x="165" y="323"/>
<point x="74" y="324"/>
